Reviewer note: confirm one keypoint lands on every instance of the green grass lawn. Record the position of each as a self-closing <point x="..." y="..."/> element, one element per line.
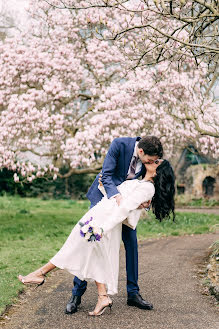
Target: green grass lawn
<point x="33" y="230"/>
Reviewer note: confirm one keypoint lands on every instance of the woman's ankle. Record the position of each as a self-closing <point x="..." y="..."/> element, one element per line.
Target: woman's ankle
<point x="38" y="273"/>
<point x="104" y="299"/>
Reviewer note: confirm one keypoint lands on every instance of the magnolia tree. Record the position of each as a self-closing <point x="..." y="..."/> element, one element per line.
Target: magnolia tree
<point x="12" y="19"/>
<point x="6" y="22"/>
<point x="160" y="29"/>
<point x="65" y="95"/>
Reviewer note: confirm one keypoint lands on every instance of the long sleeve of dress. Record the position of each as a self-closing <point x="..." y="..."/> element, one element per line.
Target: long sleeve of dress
<point x="143" y="192"/>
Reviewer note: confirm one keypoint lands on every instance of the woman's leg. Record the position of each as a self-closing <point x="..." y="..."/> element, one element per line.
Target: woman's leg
<point x="46" y="268"/>
<point x="37" y="277"/>
<point x="103" y="299"/>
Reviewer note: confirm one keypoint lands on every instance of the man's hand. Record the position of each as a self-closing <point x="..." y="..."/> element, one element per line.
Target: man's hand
<point x="145" y="205"/>
<point x="118" y="199"/>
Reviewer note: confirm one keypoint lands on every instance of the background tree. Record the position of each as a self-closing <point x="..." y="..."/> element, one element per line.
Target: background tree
<point x="161" y="29"/>
<point x="13" y="18"/>
<point x="6" y="21"/>
<point x="65" y="94"/>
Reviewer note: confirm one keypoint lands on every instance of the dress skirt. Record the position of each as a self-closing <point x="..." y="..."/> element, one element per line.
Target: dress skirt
<point x="96" y="260"/>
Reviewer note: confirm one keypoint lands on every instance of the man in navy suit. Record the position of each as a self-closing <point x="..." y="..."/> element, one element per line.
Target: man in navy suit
<point x="125" y="159"/>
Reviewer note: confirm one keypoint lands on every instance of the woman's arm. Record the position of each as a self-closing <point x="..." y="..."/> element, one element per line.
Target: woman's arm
<point x="143" y="192"/>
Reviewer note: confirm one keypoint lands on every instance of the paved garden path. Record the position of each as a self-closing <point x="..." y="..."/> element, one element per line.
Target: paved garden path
<point x="170" y="275"/>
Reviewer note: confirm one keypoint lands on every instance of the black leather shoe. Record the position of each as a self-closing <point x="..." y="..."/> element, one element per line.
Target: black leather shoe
<point x="72" y="305"/>
<point x="139" y="302"/>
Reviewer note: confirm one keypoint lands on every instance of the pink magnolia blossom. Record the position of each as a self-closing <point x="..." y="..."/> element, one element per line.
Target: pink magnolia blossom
<point x="66" y="94"/>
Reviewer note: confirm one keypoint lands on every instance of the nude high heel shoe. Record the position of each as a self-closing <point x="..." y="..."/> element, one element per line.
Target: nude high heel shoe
<point x="102" y="310"/>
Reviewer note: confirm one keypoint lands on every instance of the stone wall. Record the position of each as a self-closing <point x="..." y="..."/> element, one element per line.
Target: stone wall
<point x="197" y="174"/>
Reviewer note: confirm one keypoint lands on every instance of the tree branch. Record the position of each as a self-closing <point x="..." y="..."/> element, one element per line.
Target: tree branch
<point x="207" y="5"/>
<point x="78" y="171"/>
<point x="211" y="49"/>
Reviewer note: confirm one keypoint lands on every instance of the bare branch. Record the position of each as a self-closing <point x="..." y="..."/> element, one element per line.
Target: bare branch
<point x="196" y="20"/>
<point x="211" y="49"/>
<point x="79" y="171"/>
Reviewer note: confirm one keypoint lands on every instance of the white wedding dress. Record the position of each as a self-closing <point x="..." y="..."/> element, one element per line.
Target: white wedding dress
<point x="99" y="260"/>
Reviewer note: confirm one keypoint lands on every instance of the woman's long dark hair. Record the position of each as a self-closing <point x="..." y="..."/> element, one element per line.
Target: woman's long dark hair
<point x="163" y="201"/>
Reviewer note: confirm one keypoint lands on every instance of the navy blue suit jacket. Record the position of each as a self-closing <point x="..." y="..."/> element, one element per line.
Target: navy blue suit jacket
<point x="115" y="168"/>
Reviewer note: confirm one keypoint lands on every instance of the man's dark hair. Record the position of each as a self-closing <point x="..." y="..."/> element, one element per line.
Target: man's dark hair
<point x="151" y="145"/>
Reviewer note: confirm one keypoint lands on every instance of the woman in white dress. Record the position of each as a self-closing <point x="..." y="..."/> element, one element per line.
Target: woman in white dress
<point x="95" y="256"/>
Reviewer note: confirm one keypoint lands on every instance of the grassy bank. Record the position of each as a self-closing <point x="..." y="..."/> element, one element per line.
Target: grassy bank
<point x="186" y="200"/>
<point x="32" y="230"/>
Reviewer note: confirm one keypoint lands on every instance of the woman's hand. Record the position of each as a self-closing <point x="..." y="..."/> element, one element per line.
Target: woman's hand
<point x="118" y="198"/>
<point x="145" y="205"/>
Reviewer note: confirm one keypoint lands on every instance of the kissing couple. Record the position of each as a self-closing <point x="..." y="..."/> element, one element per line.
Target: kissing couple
<point x="117" y="196"/>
